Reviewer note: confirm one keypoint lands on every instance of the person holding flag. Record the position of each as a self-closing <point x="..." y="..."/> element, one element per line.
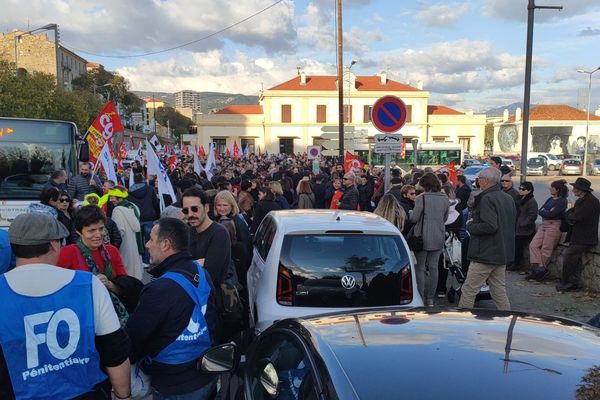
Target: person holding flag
<point x="127" y="217"/>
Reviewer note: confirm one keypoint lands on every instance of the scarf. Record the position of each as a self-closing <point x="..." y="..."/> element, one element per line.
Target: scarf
<point x="138" y="235"/>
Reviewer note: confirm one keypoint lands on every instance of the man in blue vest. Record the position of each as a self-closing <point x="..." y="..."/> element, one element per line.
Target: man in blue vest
<point x="60" y="337"/>
<point x="175" y="321"/>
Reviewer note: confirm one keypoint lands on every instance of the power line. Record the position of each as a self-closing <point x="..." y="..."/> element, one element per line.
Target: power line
<point x="182" y="45"/>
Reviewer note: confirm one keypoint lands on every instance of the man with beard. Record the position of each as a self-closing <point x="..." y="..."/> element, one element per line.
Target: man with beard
<point x="83" y="184"/>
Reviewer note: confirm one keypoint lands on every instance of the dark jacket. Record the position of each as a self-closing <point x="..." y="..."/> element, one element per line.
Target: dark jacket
<point x="62" y="187"/>
<point x="527" y="210"/>
<point x="395" y="191"/>
<point x="79" y="186"/>
<point x="144" y="197"/>
<point x="163" y="312"/>
<point x="513" y="193"/>
<point x="584" y="218"/>
<point x="263" y="207"/>
<point x="492" y="228"/>
<point x="462" y="193"/>
<point x="349" y="200"/>
<point x="283" y="202"/>
<point x="408" y="205"/>
<point x="319" y="192"/>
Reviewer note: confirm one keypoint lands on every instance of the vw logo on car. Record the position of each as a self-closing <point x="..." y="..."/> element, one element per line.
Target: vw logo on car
<point x="348" y="282"/>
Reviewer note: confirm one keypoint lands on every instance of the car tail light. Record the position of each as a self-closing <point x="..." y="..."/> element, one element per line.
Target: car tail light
<point x="406" y="286"/>
<point x="285" y="287"/>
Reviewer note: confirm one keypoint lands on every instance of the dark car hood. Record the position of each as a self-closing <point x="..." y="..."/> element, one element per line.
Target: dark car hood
<point x="479" y="354"/>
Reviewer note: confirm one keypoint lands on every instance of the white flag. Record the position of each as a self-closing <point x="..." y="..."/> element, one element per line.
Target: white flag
<point x="156" y="168"/>
<point x="108" y="164"/>
<point x="210" y="162"/>
<point x="197" y="166"/>
<point x="140" y="154"/>
<point x="156" y="143"/>
<point x="130" y="177"/>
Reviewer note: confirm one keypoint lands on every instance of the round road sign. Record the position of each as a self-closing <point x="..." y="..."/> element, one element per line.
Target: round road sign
<point x="388" y="114"/>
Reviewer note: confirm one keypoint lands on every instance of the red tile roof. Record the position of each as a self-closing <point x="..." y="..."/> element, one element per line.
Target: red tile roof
<point x="442" y="110"/>
<point x="556" y="112"/>
<point x="241" y="109"/>
<point x="363" y="83"/>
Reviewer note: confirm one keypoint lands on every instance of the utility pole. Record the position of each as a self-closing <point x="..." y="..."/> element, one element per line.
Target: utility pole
<point x="527" y="91"/>
<point x="340" y="73"/>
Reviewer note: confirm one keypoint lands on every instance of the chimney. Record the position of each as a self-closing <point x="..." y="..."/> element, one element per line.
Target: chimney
<point x="420" y="84"/>
<point x="303" y="78"/>
<point x="505" y="115"/>
<point x="518" y="114"/>
<point x="383" y="78"/>
<point x="597" y="113"/>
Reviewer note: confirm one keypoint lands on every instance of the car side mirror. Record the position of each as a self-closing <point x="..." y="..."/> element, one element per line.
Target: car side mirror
<point x="218" y="359"/>
<point x="269" y="380"/>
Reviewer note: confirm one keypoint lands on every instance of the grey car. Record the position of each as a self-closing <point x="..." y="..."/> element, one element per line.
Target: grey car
<point x="571" y="166"/>
<point x="596" y="167"/>
<point x="537" y="166"/>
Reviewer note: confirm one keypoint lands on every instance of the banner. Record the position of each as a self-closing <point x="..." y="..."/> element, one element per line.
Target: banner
<point x="201" y="152"/>
<point x="236" y="151"/>
<point x="156" y="168"/>
<point x="102" y="130"/>
<point x="107" y="163"/>
<point x="352" y="162"/>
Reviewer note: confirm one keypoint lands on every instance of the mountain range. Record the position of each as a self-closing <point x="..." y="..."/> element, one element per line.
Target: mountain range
<point x="209" y="100"/>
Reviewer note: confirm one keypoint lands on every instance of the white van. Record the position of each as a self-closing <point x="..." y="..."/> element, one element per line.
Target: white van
<point x="553" y="162"/>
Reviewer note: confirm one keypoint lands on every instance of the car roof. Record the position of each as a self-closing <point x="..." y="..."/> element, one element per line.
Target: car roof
<point x="508" y="350"/>
<point x="331" y="221"/>
<point x="572" y="159"/>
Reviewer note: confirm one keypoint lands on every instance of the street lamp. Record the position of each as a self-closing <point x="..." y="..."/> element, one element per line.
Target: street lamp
<point x="587" y="122"/>
<point x="46" y="27"/>
<point x="349" y="78"/>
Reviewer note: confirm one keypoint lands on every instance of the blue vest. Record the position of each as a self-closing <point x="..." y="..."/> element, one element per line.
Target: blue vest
<point x="48" y="341"/>
<point x="194" y="340"/>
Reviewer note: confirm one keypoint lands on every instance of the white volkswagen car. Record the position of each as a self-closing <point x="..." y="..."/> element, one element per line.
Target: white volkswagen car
<point x="315" y="261"/>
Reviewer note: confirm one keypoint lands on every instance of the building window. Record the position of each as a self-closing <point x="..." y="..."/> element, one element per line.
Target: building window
<point x="347" y="113"/>
<point x="408" y="113"/>
<point x="367" y="113"/>
<point x="465" y="143"/>
<point x="321" y="113"/>
<point x="249" y="143"/>
<point x="286" y="113"/>
<point x="286" y="145"/>
<point x="438" y="139"/>
<point x="220" y="145"/>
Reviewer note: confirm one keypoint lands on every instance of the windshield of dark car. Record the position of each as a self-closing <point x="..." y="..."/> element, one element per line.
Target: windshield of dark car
<point x="535" y="162"/>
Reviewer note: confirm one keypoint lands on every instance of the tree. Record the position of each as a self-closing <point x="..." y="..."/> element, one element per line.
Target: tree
<point x="488" y="139"/>
<point x="180" y="124"/>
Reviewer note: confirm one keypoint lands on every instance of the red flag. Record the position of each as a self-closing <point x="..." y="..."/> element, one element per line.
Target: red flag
<point x="186" y="151"/>
<point x="352" y="162"/>
<point x="236" y="151"/>
<point x="131" y="144"/>
<point x="201" y="152"/>
<point x="403" y="151"/>
<point x="452" y="172"/>
<point x="227" y="152"/>
<point x="172" y="162"/>
<point x="102" y="130"/>
<point x="166" y="149"/>
<point x="122" y="151"/>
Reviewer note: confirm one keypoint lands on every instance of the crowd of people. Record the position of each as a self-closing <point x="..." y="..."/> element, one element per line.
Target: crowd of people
<point x="196" y="250"/>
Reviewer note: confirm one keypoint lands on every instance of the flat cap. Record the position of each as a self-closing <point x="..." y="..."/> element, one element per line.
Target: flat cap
<point x="35" y="228"/>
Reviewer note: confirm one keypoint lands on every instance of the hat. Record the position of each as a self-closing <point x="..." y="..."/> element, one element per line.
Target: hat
<point x="35" y="228"/>
<point x="582" y="184"/>
<point x="118" y="191"/>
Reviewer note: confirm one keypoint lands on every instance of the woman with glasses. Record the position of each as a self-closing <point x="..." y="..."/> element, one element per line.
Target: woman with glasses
<point x="64" y="208"/>
<point x="548" y="235"/>
<point x="527" y="210"/>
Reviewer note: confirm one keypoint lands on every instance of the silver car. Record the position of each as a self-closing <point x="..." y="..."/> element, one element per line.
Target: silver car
<point x="571" y="167"/>
<point x="596" y="167"/>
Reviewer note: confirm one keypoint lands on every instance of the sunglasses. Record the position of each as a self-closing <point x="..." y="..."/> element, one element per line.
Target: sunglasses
<point x="522" y="188"/>
<point x="347" y="179"/>
<point x="412" y="194"/>
<point x="64" y="200"/>
<point x="194" y="209"/>
<point x="505" y="180"/>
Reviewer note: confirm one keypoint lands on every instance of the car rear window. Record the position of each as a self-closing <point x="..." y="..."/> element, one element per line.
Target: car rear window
<point x="572" y="162"/>
<point x="344" y="270"/>
<point x="535" y="161"/>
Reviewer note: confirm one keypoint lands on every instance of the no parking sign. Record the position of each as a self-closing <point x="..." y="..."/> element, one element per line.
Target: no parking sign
<point x="389" y="114"/>
<point x="314" y="152"/>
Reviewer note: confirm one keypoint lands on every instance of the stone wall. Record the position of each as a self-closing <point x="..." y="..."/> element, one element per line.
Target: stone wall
<point x="34" y="52"/>
<point x="590" y="276"/>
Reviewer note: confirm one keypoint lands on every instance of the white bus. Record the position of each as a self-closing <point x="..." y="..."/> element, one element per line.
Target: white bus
<point x="30" y="150"/>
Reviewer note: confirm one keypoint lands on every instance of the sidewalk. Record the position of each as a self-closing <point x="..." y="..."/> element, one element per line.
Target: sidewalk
<point x="542" y="298"/>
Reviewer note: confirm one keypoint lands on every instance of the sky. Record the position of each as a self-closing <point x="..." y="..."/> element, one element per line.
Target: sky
<point x="469" y="54"/>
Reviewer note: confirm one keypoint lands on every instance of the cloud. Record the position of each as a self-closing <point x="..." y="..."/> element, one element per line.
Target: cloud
<point x="516" y="10"/>
<point x="216" y="71"/>
<point x="441" y="15"/>
<point x="116" y="26"/>
<point x="456" y="66"/>
<point x="317" y="31"/>
<point x="589" y="32"/>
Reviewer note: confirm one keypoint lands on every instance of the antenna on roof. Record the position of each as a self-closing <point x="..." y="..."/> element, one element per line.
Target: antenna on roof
<point x="298" y="68"/>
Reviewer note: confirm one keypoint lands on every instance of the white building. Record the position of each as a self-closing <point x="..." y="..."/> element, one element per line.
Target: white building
<point x="556" y="129"/>
<point x="291" y="116"/>
<point x="188" y="99"/>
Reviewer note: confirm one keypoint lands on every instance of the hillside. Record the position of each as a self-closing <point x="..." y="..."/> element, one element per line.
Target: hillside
<point x="210" y="100"/>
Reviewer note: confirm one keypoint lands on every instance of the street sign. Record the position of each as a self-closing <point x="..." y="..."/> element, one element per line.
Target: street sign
<point x="313" y="152"/>
<point x="388" y="114"/>
<point x="388" y="143"/>
<point x="334" y="153"/>
<point x="336" y="128"/>
<point x="335" y="144"/>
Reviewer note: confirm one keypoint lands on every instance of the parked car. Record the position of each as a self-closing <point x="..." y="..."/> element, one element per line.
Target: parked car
<point x="537" y="166"/>
<point x="571" y="167"/>
<point x="470" y="162"/>
<point x="471" y="173"/>
<point x="509" y="163"/>
<point x="314" y="261"/>
<point x="595" y="167"/>
<point x="552" y="160"/>
<point x="395" y="353"/>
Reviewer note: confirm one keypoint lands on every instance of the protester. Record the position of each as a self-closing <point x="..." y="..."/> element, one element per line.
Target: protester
<point x="507" y="187"/>
<point x="44" y="296"/>
<point x="280" y="199"/>
<point x="7" y="258"/>
<point x="306" y="198"/>
<point x="336" y="194"/>
<point x="144" y="197"/>
<point x="391" y="210"/>
<point x="349" y="200"/>
<point x="583" y="219"/>
<point x="83" y="183"/>
<point x="492" y="242"/>
<point x="527" y="210"/>
<point x="127" y="217"/>
<point x="111" y="230"/>
<point x="58" y="180"/>
<point x="175" y="321"/>
<point x="266" y="203"/>
<point x="48" y="199"/>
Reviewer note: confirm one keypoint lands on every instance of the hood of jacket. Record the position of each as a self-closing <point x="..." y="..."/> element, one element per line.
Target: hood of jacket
<point x="139" y="190"/>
